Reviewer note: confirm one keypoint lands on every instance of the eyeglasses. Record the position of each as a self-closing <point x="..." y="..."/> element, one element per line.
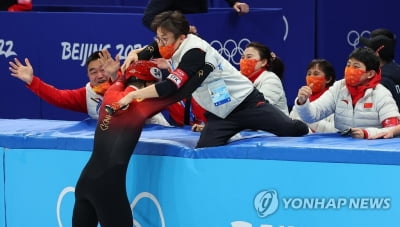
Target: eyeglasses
<point x="161" y="42"/>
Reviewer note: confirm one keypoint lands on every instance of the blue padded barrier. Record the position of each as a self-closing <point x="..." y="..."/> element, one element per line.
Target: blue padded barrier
<point x="256" y="180"/>
<point x="2" y="203"/>
<point x="328" y="147"/>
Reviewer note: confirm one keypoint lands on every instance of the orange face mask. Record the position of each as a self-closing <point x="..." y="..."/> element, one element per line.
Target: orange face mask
<point x="317" y="83"/>
<point x="101" y="88"/>
<point x="167" y="51"/>
<point x="247" y="66"/>
<point x="353" y="75"/>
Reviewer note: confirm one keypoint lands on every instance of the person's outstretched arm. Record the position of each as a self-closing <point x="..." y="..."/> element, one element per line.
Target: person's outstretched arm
<point x="20" y="71"/>
<point x="74" y="99"/>
<point x="190" y="64"/>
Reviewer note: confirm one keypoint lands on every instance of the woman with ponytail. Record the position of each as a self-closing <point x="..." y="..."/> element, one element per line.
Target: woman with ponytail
<point x="265" y="70"/>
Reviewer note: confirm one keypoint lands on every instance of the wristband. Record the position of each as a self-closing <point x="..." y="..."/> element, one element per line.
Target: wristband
<point x="389" y="122"/>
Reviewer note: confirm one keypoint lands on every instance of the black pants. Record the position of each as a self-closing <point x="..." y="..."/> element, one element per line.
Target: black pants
<point x="253" y="113"/>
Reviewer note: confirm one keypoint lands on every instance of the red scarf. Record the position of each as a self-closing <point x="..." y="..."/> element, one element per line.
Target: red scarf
<point x="317" y="95"/>
<point x="358" y="92"/>
<point x="253" y="77"/>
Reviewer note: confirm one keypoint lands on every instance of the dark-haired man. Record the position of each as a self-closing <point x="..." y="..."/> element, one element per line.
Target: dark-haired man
<point x="86" y="99"/>
<point x="383" y="42"/>
<point x="101" y="72"/>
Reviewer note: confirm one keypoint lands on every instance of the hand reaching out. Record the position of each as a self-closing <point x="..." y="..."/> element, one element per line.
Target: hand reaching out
<point x="138" y="95"/>
<point x="20" y="71"/>
<point x="127" y="99"/>
<point x="110" y="65"/>
<point x="161" y="63"/>
<point x="132" y="57"/>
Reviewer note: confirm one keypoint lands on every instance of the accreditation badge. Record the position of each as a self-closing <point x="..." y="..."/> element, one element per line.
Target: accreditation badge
<point x="219" y="92"/>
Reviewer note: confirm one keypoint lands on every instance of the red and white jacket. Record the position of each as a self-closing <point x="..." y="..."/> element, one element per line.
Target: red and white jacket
<point x="83" y="100"/>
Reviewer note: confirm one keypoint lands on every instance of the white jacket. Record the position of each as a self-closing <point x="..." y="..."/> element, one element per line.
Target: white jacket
<point x="325" y="125"/>
<point x="93" y="102"/>
<point x="158" y="119"/>
<point x="271" y="86"/>
<point x="370" y="111"/>
<point x="224" y="77"/>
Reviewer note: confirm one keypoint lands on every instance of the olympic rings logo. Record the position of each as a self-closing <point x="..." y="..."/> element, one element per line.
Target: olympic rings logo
<point x="230" y="49"/>
<point x="353" y="37"/>
<point x="142" y="195"/>
<point x="63" y="193"/>
<point x="233" y="51"/>
<point x="150" y="196"/>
